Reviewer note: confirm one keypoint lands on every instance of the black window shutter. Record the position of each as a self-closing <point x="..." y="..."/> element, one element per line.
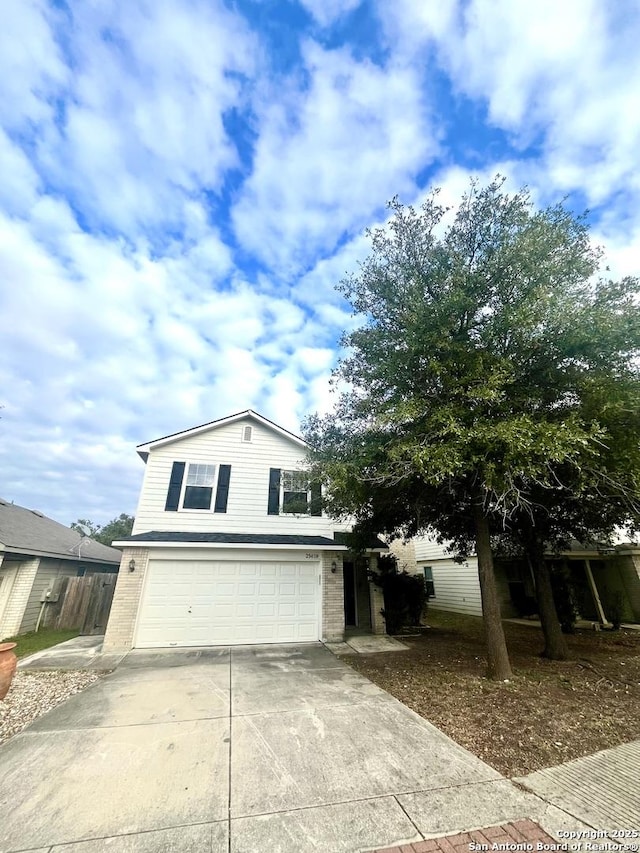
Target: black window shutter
<point x="274" y="492"/>
<point x="222" y="492"/>
<point x="175" y="485"/>
<point x="316" y="499"/>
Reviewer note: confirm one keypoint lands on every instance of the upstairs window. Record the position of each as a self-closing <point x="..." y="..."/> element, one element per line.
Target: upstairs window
<point x="195" y="490"/>
<point x="199" y="488"/>
<point x="291" y="492"/>
<point x="296" y="492"/>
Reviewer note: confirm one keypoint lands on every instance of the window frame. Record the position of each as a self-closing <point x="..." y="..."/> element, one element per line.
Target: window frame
<point x="185" y="486"/>
<point x="429" y="581"/>
<point x="283" y="474"/>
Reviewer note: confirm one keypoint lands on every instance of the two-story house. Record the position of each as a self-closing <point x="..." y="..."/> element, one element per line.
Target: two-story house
<point x="231" y="546"/>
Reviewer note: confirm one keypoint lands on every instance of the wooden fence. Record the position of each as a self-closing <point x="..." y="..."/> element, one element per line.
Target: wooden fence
<point x="83" y="603"/>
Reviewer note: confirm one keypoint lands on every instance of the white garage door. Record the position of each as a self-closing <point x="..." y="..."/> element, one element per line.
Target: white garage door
<point x="197" y="603"/>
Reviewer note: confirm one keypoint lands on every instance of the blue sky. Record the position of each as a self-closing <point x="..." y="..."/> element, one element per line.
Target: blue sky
<point x="185" y="181"/>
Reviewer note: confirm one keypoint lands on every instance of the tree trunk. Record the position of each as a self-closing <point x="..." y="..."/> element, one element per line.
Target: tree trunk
<point x="555" y="645"/>
<point x="499" y="667"/>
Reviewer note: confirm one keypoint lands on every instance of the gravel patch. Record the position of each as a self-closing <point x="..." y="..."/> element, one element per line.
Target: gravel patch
<point x="34" y="693"/>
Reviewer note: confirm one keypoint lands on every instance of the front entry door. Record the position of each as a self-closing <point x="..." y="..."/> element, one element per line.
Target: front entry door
<point x="349" y="595"/>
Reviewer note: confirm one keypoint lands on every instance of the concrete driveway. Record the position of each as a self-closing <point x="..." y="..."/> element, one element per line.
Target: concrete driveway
<point x="245" y="749"/>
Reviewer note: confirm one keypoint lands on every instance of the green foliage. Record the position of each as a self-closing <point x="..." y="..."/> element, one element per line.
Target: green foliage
<point x="117" y="528"/>
<point x="405" y="595"/>
<point x="85" y="527"/>
<point x="492" y="384"/>
<point x="490" y="365"/>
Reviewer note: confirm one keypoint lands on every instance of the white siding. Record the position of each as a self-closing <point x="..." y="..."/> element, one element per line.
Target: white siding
<point x="248" y="489"/>
<point x="456" y="585"/>
<point x="426" y="548"/>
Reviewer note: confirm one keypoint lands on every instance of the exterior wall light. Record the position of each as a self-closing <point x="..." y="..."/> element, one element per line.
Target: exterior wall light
<point x="132" y="565"/>
<point x="334" y="567"/>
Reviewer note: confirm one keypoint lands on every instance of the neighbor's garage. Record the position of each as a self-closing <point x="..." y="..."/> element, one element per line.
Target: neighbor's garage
<point x="203" y="603"/>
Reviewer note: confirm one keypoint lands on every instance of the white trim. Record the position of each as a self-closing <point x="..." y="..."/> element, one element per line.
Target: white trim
<point x="183" y="488"/>
<point x="258" y="546"/>
<point x="283" y="491"/>
<point x="6" y="588"/>
<point x="146" y="447"/>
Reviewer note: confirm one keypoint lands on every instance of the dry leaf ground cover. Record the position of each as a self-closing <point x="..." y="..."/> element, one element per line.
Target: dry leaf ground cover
<point x="549" y="713"/>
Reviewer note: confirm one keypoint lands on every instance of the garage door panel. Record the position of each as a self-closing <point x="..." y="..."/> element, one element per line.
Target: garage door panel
<point x="195" y="603"/>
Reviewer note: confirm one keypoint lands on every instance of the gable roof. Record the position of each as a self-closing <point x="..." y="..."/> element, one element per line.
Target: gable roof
<point x="145" y="448"/>
<point x="27" y="531"/>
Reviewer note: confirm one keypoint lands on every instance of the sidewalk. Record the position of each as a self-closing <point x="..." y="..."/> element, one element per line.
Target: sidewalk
<point x="603" y="789"/>
<point x="521" y="832"/>
<point x="84" y="652"/>
<point x="599" y="794"/>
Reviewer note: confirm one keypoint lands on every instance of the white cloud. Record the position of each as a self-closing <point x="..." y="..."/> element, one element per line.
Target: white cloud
<point x="32" y="66"/>
<point x="330" y="154"/>
<point x="19" y="184"/>
<point x="108" y="347"/>
<point x="327" y="12"/>
<point x="135" y="304"/>
<point x="139" y="124"/>
<point x="567" y="73"/>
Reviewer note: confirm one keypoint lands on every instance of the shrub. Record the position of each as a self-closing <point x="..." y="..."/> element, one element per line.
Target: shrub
<point x="405" y="595"/>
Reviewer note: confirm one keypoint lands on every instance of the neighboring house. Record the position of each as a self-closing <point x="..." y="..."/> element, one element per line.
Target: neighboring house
<point x="230" y="546"/>
<point x="35" y="552"/>
<point x="605" y="580"/>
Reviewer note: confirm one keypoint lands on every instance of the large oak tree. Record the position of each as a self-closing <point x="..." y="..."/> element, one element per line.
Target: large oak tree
<point x="482" y="333"/>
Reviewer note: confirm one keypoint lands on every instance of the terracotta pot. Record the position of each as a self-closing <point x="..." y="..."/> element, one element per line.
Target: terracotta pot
<point x="8" y="663"/>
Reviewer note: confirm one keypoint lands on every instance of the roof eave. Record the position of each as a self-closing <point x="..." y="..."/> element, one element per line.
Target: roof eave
<point x="253" y="546"/>
<point x="34" y="552"/>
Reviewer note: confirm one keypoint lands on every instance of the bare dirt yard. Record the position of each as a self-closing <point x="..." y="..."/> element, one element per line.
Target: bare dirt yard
<point x="549" y="713"/>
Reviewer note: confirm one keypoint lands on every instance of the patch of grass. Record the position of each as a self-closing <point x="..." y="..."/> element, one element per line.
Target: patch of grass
<point x="36" y="641"/>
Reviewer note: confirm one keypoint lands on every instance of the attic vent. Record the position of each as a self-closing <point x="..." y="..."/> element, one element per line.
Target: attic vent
<point x="246" y="433"/>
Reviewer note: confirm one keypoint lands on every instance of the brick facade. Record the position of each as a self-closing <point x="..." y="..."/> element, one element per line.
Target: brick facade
<point x="332" y="598"/>
<point x="124" y="610"/>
